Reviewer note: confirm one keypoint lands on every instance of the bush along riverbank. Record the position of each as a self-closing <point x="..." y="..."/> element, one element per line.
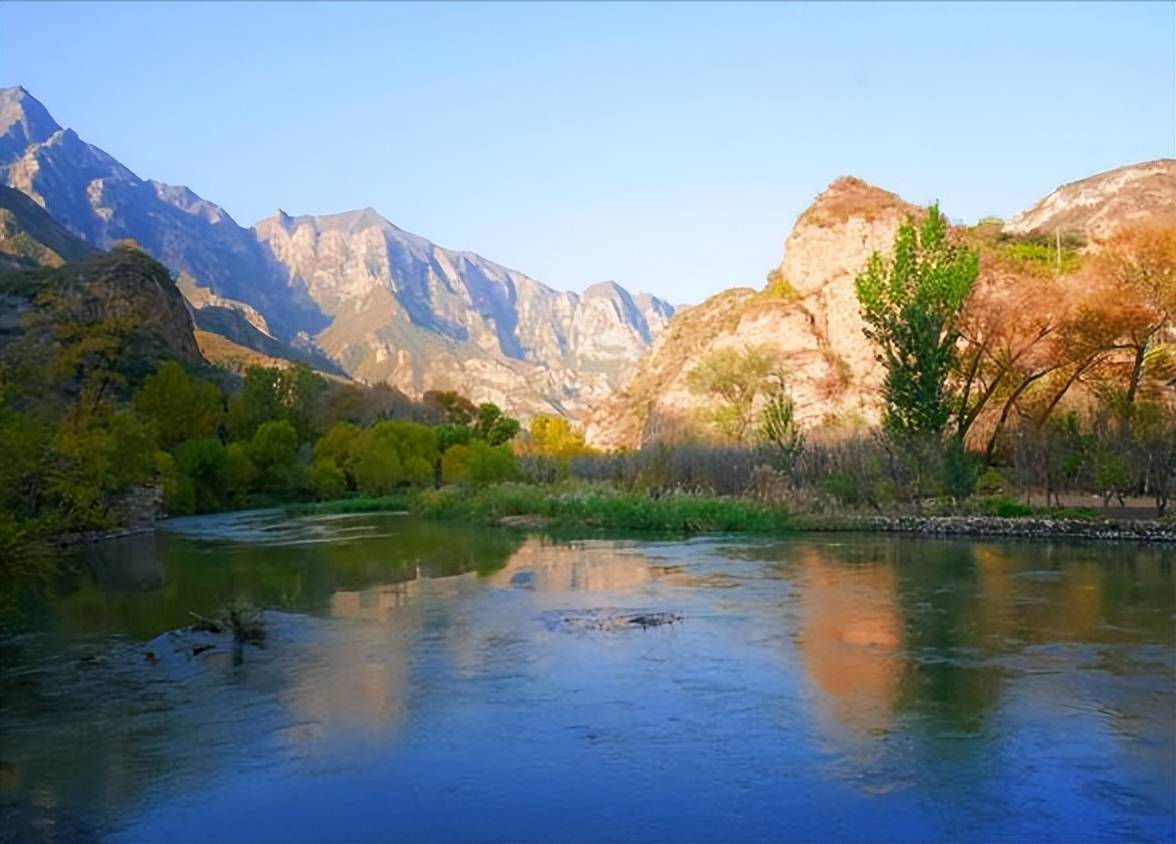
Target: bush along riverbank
<point x="598" y="507"/>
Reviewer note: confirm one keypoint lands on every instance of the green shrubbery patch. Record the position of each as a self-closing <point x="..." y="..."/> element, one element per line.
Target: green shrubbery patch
<point x="600" y="507"/>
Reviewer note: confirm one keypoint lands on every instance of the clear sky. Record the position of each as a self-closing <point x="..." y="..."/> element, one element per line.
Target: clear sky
<point x="668" y="147"/>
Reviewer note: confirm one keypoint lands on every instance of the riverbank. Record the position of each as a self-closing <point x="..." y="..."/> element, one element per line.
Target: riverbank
<point x="603" y="508"/>
<point x="1025" y="527"/>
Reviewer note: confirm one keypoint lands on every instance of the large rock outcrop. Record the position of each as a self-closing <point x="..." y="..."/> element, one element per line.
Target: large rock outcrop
<point x="807" y="316"/>
<point x="123" y="286"/>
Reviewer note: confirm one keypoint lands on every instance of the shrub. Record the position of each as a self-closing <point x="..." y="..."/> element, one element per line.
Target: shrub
<point x="991" y="482"/>
<point x="959" y="470"/>
<point x="603" y="508"/>
<point x="326" y="479"/>
<point x="1007" y="508"/>
<point x="478" y="464"/>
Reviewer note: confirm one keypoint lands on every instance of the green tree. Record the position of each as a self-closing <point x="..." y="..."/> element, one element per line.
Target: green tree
<point x="779" y="429"/>
<point x="450" y="434"/>
<point x="911" y="303"/>
<point x="269" y="394"/>
<point x="390" y="454"/>
<point x="731" y="379"/>
<point x="274" y="452"/>
<point x="494" y="426"/>
<point x="182" y="407"/>
<point x="98" y="454"/>
<point x="478" y="463"/>
<point x="326" y="479"/>
<point x="201" y="464"/>
<point x="336" y="443"/>
<point x="240" y="473"/>
<point x="375" y="467"/>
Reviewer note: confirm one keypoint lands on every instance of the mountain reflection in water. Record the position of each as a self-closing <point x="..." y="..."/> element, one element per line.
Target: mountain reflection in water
<point x="412" y="686"/>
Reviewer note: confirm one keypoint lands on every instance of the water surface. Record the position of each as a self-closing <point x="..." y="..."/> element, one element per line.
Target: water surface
<point x="429" y="682"/>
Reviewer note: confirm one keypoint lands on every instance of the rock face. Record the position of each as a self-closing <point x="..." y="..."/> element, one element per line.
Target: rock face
<point x="384" y="304"/>
<point x="408" y="312"/>
<point x="1096" y="206"/>
<point x="123" y="285"/>
<point x="808" y="316"/>
<point x="29" y="237"/>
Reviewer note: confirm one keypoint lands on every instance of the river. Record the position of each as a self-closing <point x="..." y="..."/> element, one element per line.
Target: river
<point x="431" y="682"/>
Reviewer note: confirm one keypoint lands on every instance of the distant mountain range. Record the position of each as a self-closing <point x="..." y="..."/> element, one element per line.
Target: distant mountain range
<point x="353" y="294"/>
<point x="349" y="293"/>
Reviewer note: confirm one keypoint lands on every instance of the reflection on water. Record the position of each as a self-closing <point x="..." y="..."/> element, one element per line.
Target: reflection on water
<point x="850" y="635"/>
<point x="848" y="688"/>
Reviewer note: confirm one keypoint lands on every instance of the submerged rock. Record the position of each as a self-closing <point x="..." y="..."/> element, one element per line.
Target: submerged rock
<point x="610" y="620"/>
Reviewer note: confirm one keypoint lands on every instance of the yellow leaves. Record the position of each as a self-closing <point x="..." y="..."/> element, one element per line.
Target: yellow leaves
<point x="553" y="436"/>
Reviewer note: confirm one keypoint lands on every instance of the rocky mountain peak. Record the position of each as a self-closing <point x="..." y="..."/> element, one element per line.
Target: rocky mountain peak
<point x="836" y="234"/>
<point x="1098" y="205"/>
<point x="850" y="198"/>
<point x="604" y="288"/>
<point x="23" y="121"/>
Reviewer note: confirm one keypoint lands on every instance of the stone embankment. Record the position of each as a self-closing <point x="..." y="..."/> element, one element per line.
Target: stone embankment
<point x="1030" y="528"/>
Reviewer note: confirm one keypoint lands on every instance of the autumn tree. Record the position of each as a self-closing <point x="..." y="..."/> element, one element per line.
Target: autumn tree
<point x="911" y="303"/>
<point x="1137" y="268"/>
<point x="553" y="436"/>
<point x="1012" y="339"/>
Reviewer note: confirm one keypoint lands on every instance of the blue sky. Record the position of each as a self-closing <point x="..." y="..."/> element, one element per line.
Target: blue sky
<point x="669" y="147"/>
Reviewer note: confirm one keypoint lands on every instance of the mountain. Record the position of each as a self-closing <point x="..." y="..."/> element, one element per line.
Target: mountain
<point x="1096" y="206"/>
<point x="808" y="314"/>
<point x="102" y="201"/>
<point x="384" y="304"/>
<point x="29" y="237"/>
<point x="416" y="315"/>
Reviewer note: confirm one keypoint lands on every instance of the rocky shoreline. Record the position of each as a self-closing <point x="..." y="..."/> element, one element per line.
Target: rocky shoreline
<point x="1025" y="527"/>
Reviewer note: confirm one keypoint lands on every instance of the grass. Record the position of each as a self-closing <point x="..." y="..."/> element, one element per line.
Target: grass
<point x="349" y="505"/>
<point x="599" y="507"/>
